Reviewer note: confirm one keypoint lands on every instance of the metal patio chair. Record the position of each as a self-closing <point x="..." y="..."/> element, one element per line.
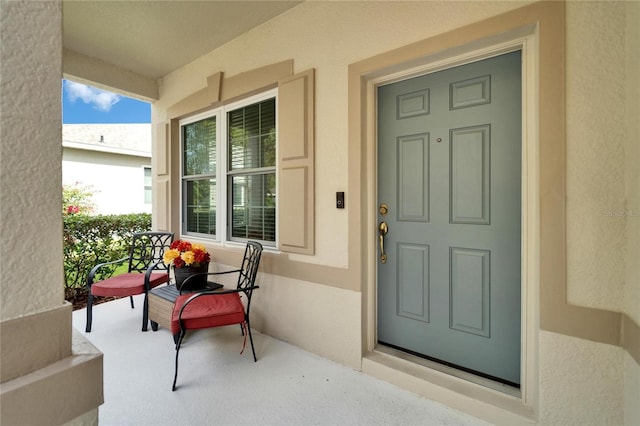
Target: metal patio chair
<point x="146" y="270"/>
<point x="220" y="307"/>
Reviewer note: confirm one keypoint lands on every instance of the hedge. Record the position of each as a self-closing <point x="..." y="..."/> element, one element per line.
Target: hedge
<point x="89" y="240"/>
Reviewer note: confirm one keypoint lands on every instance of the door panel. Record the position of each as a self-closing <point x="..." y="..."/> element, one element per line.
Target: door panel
<point x="449" y="169"/>
<point x="413" y="193"/>
<point x="469" y="188"/>
<point x="469" y="292"/>
<point x="413" y="282"/>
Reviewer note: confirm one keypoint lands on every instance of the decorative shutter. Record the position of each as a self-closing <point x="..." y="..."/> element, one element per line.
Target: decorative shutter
<point x="296" y="180"/>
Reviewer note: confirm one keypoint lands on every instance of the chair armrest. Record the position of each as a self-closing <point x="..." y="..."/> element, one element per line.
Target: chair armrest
<point x="94" y="270"/>
<point x="150" y="270"/>
<point x="154" y="267"/>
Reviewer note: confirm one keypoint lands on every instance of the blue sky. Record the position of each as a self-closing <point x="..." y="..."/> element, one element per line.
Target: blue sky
<point x="86" y="104"/>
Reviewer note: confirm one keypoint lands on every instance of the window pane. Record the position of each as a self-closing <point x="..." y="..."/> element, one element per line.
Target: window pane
<point x="147" y="176"/>
<point x="269" y="150"/>
<point x="253" y="210"/>
<point x="147" y="185"/>
<point x="201" y="206"/>
<point x="252" y="134"/>
<point x="199" y="147"/>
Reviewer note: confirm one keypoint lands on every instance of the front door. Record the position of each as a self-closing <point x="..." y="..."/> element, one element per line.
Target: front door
<point x="449" y="194"/>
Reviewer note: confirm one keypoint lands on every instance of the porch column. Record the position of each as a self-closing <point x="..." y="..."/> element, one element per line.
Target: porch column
<point x="48" y="375"/>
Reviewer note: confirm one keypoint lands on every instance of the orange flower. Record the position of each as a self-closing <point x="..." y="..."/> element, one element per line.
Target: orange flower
<point x="183" y="253"/>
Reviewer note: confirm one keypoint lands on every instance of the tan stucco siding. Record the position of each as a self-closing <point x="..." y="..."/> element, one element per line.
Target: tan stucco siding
<point x="330" y="36"/>
<point x="39" y="353"/>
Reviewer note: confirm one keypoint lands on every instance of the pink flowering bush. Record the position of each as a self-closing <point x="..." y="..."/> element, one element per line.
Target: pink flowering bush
<point x="76" y="199"/>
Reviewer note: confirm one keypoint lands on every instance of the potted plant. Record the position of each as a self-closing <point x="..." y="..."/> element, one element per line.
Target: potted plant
<point x="188" y="259"/>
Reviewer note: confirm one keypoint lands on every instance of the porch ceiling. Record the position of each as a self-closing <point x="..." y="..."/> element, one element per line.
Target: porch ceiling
<point x="152" y="37"/>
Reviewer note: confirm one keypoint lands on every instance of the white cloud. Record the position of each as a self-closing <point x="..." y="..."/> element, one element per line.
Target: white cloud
<point x="99" y="99"/>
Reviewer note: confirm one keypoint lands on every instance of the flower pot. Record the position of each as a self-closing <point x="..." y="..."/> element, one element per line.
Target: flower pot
<point x="195" y="283"/>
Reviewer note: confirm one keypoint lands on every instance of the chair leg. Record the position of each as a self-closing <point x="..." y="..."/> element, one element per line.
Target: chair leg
<point x="131" y="299"/>
<point x="89" y="313"/>
<point x="145" y="313"/>
<point x="251" y="341"/>
<point x="154" y="326"/>
<point x="175" y="375"/>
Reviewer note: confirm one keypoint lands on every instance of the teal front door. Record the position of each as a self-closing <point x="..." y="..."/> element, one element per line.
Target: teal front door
<point x="449" y="196"/>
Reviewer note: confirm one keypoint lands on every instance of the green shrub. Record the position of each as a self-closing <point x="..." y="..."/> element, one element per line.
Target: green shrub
<point x="89" y="240"/>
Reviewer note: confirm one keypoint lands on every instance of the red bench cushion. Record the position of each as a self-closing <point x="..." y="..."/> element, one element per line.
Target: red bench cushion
<point x="128" y="284"/>
<point x="208" y="311"/>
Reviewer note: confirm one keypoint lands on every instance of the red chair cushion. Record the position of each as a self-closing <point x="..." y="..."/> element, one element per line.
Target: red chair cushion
<point x="128" y="284"/>
<point x="208" y="311"/>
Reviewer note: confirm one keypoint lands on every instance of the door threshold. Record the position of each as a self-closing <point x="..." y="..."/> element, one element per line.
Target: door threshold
<point x="452" y="371"/>
<point x="453" y="388"/>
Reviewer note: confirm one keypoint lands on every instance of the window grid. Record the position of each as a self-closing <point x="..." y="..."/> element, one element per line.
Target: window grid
<point x="199" y="158"/>
<point x="251" y="171"/>
<point x="248" y="180"/>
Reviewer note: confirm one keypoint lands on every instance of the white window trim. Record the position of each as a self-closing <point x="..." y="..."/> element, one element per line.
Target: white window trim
<point x="220" y="113"/>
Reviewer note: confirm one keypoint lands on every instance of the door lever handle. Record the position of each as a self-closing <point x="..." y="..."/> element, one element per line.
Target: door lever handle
<point x="382" y="231"/>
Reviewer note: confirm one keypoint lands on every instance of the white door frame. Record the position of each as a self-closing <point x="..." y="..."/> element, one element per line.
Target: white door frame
<point x="522" y="402"/>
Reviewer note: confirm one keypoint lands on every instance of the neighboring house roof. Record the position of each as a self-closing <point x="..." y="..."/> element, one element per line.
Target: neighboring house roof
<point x="127" y="139"/>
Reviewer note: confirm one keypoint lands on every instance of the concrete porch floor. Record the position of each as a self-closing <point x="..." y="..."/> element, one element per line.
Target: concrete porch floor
<point x="218" y="386"/>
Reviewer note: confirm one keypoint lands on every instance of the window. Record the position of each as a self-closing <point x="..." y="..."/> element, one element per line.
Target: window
<point x="199" y="161"/>
<point x="252" y="171"/>
<point x="147" y="185"/>
<point x="245" y="187"/>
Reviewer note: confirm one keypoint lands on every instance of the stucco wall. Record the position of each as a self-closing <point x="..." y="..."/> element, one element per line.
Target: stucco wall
<point x="631" y="295"/>
<point x="327" y="36"/>
<point x="631" y="391"/>
<point x="319" y="319"/>
<point x="603" y="190"/>
<point x="581" y="382"/>
<point x="596" y="138"/>
<point x="30" y="209"/>
<point x="35" y="326"/>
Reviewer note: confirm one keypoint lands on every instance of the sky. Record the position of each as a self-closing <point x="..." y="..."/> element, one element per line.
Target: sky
<point x="86" y="104"/>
